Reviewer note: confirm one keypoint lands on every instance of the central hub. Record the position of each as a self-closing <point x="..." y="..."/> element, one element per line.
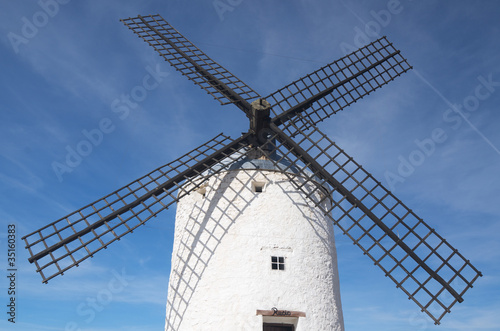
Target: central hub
<point x="260" y="119"/>
<point x="259" y="124"/>
<point x="261" y="105"/>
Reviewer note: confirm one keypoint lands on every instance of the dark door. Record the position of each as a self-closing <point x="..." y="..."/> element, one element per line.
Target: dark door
<point x="278" y="327"/>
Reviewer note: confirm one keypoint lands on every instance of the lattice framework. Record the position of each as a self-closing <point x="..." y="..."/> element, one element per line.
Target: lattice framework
<point x="339" y="84"/>
<point x="68" y="241"/>
<point x="433" y="273"/>
<point x="191" y="61"/>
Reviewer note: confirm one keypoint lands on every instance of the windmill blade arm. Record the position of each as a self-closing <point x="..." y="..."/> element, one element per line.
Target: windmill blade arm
<point x="321" y="173"/>
<point x="191" y="61"/>
<point x="422" y="263"/>
<point x="66" y="242"/>
<point x="339" y="84"/>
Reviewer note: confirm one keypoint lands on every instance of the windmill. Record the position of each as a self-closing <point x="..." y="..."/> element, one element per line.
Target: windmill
<point x="282" y="152"/>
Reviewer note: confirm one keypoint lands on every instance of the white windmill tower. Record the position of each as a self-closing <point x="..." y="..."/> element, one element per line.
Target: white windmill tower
<point x="254" y="245"/>
<point x="250" y="251"/>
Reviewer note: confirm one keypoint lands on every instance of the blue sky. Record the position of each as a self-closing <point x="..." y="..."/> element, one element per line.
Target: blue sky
<point x="61" y="78"/>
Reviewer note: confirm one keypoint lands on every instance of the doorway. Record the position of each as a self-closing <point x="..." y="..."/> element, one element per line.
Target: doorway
<point x="278" y="327"/>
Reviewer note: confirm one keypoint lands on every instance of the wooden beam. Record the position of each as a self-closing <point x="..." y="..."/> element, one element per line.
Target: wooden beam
<point x="281" y="313"/>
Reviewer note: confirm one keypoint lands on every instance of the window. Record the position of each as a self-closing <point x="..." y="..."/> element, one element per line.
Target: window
<point x="202" y="190"/>
<point x="258" y="187"/>
<point x="277" y="263"/>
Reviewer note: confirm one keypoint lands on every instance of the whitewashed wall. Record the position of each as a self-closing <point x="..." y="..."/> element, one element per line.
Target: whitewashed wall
<point x="221" y="263"/>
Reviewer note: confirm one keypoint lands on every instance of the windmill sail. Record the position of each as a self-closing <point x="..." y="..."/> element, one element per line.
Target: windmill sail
<point x="68" y="241"/>
<point x="337" y="85"/>
<point x="191" y="61"/>
<point x="413" y="255"/>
